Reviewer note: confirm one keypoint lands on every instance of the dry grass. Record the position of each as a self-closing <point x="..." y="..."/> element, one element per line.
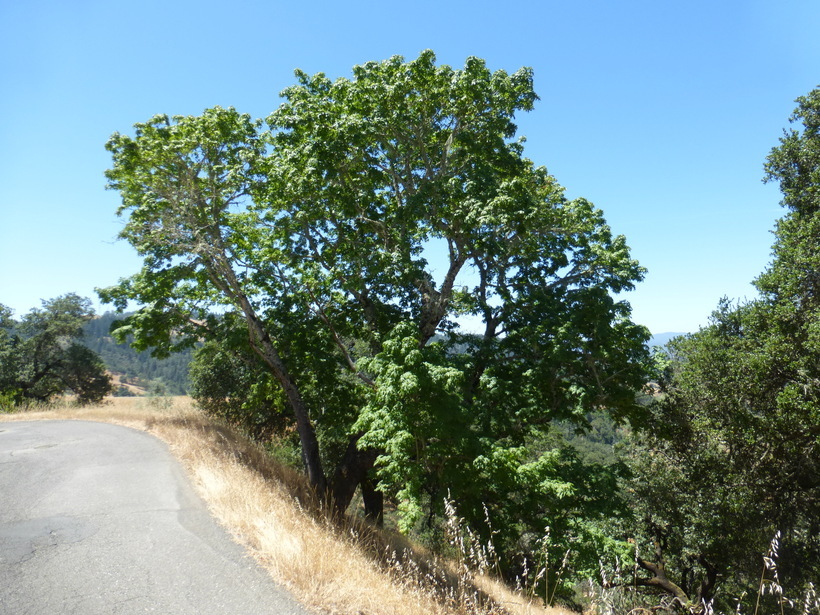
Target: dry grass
<point x="329" y="567"/>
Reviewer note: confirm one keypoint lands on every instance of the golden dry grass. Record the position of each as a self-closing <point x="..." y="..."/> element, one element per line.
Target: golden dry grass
<point x="329" y="567"/>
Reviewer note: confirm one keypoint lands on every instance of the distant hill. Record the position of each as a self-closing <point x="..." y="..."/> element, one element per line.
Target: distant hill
<point x="661" y="339"/>
<point x="137" y="373"/>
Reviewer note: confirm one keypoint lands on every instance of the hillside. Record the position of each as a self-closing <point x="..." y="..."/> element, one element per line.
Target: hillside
<point x="137" y="373"/>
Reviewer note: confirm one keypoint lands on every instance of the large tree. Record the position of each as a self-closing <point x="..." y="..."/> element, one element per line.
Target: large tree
<point x="734" y="454"/>
<point x="42" y="356"/>
<point x="350" y="237"/>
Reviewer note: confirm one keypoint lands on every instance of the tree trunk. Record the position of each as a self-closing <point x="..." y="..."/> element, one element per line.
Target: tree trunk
<point x="307" y="436"/>
<point x="262" y="344"/>
<point x="351" y="472"/>
<point x="221" y="272"/>
<point x="373" y="502"/>
<point x="707" y="587"/>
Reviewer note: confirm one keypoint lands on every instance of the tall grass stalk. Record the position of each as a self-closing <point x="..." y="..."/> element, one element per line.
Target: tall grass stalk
<point x="773" y="584"/>
<point x="544" y="570"/>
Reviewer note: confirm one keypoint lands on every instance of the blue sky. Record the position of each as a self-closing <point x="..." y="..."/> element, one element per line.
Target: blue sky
<point x="661" y="113"/>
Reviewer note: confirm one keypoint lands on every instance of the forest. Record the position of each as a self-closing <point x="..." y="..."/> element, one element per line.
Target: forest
<point x="146" y="373"/>
<point x="291" y="258"/>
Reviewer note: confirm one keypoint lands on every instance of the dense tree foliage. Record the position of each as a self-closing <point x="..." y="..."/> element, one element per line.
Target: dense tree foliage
<point x="42" y="356"/>
<point x="235" y="387"/>
<point x="734" y="454"/>
<point x="310" y="245"/>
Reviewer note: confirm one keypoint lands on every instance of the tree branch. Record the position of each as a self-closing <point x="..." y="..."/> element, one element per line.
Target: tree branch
<point x="660" y="581"/>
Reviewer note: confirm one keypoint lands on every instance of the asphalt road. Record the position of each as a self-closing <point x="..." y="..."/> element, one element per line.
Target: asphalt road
<point x="101" y="519"/>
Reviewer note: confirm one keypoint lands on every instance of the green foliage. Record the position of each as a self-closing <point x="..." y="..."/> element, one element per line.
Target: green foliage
<point x="300" y="254"/>
<point x="597" y="444"/>
<point x="9" y="400"/>
<point x="377" y="180"/>
<point x="237" y="389"/>
<point x="41" y="356"/>
<point x="415" y="417"/>
<point x="521" y="477"/>
<point x="9" y="361"/>
<point x="733" y="456"/>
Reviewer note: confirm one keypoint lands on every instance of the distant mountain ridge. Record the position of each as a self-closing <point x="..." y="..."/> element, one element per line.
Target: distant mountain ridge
<point x="661" y="339"/>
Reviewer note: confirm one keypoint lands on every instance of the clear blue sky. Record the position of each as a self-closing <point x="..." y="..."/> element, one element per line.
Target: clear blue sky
<point x="661" y="113"/>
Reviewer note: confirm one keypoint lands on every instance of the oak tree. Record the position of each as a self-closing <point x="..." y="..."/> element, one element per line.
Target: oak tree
<point x="350" y="237"/>
<point x="42" y="356"/>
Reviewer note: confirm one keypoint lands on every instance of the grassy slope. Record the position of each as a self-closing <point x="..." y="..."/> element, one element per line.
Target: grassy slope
<point x="267" y="508"/>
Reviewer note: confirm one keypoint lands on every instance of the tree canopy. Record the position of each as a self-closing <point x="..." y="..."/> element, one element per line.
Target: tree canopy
<point x="41" y="355"/>
<point x="337" y="245"/>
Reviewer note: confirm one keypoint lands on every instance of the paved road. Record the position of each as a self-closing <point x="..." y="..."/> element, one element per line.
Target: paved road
<point x="100" y="519"/>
